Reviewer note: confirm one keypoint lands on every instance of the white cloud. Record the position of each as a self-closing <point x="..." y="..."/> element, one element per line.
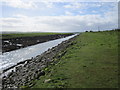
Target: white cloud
<point x="75" y="0"/>
<point x="28" y="4"/>
<point x="81" y="12"/>
<point x="74" y="5"/>
<point x="48" y="4"/>
<point x="60" y="23"/>
<point x="57" y="23"/>
<point x="32" y="4"/>
<point x="68" y="13"/>
<point x="20" y="4"/>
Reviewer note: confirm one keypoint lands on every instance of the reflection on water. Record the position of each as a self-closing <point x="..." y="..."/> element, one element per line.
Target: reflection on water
<point x="13" y="57"/>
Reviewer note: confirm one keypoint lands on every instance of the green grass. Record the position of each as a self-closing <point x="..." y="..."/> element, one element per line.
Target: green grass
<point x="14" y="35"/>
<point x="92" y="62"/>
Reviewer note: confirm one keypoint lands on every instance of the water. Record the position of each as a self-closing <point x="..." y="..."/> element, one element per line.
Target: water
<point x="13" y="57"/>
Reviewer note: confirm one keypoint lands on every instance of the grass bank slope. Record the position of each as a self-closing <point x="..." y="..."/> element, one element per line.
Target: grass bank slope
<point x="92" y="62"/>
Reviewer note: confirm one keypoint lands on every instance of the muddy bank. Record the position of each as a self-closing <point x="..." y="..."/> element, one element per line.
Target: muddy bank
<point x="21" y="42"/>
<point x="32" y="69"/>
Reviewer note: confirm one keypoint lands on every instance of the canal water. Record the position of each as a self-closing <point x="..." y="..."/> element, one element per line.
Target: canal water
<point x="13" y="57"/>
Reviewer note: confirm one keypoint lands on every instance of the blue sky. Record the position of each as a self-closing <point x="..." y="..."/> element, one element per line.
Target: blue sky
<point x="58" y="16"/>
<point x="58" y="9"/>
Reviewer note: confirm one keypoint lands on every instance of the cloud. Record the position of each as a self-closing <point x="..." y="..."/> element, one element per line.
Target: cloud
<point x="28" y="4"/>
<point x="48" y="4"/>
<point x="32" y="4"/>
<point x="74" y="5"/>
<point x="60" y="23"/>
<point x="75" y="0"/>
<point x="20" y="4"/>
<point x="68" y="13"/>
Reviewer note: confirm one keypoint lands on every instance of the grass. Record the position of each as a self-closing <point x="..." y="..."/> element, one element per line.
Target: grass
<point x="92" y="62"/>
<point x="14" y="35"/>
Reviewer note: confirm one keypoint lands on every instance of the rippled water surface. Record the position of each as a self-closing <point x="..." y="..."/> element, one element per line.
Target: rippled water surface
<point x="13" y="57"/>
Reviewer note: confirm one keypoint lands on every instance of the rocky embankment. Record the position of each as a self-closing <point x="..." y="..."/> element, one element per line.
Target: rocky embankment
<point x="32" y="69"/>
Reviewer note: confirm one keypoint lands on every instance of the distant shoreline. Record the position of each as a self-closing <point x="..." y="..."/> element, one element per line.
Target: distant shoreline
<point x="10" y="44"/>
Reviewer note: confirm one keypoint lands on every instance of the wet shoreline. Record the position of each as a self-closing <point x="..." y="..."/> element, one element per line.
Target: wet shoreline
<point x="10" y="59"/>
<point x="33" y="68"/>
<point x="21" y="42"/>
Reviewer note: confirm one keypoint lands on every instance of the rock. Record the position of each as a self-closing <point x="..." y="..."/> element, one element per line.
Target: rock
<point x="32" y="68"/>
<point x="42" y="73"/>
<point x="43" y="66"/>
<point x="10" y="74"/>
<point x="18" y="68"/>
<point x="47" y="80"/>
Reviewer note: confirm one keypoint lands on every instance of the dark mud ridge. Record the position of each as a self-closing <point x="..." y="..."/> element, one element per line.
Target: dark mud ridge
<point x="29" y="70"/>
<point x="20" y="42"/>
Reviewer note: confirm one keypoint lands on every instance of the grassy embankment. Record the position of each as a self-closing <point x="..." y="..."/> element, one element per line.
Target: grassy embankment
<point x="92" y="62"/>
<point x="15" y="35"/>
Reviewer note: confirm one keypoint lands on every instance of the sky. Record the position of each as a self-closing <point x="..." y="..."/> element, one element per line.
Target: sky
<point x="58" y="15"/>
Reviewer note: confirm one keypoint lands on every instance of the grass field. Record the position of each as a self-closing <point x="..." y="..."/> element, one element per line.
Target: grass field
<point x="92" y="62"/>
<point x="14" y="35"/>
